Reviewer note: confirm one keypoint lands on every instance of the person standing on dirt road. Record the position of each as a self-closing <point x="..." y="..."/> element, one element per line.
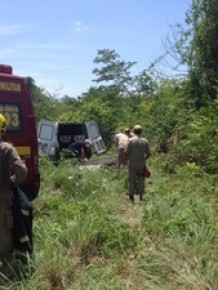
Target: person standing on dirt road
<point x="137" y="151"/>
<point x="121" y="140"/>
<point x="12" y="171"/>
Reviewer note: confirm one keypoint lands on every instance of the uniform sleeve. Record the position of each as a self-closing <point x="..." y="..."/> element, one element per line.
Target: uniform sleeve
<point x="17" y="165"/>
<point x="127" y="148"/>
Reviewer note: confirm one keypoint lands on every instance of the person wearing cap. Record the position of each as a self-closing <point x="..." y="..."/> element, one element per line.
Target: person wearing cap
<point x="137" y="151"/>
<point x="121" y="140"/>
<point x="128" y="132"/>
<point x="12" y="171"/>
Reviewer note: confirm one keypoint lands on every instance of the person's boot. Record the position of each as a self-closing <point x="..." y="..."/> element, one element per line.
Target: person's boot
<point x="131" y="199"/>
<point x="140" y="197"/>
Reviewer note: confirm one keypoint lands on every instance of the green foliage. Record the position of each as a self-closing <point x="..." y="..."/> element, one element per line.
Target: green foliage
<point x="113" y="70"/>
<point x="199" y="145"/>
<point x="45" y="106"/>
<point x="113" y="237"/>
<point x="203" y="18"/>
<point x="179" y="217"/>
<point x="98" y="106"/>
<point x="176" y="213"/>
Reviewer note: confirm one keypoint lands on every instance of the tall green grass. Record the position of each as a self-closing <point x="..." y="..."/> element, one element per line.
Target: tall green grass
<point x="87" y="236"/>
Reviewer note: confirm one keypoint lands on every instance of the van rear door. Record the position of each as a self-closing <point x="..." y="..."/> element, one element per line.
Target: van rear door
<point x="47" y="138"/>
<point x="95" y="137"/>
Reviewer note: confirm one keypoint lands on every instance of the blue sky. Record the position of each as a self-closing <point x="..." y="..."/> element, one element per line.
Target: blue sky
<point x="56" y="41"/>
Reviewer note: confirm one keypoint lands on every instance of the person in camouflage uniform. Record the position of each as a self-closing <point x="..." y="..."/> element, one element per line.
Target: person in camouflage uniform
<point x="12" y="170"/>
<point x="137" y="151"/>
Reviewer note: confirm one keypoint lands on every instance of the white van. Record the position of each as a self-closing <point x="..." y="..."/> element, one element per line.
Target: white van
<point x="54" y="138"/>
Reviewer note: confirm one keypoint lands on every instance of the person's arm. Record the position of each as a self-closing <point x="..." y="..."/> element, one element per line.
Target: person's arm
<point x="148" y="152"/>
<point x="19" y="169"/>
<point x="127" y="149"/>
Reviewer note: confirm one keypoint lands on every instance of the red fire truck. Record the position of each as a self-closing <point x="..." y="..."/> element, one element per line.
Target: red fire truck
<point x="16" y="106"/>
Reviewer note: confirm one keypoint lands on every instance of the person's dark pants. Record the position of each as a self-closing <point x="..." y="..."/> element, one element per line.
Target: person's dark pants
<point x="136" y="181"/>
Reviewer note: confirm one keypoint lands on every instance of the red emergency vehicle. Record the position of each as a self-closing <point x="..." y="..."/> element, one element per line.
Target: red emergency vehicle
<point x="16" y="106"/>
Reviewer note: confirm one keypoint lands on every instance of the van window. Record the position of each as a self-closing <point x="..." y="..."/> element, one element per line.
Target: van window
<point x="46" y="132"/>
<point x="12" y="115"/>
<point x="93" y="131"/>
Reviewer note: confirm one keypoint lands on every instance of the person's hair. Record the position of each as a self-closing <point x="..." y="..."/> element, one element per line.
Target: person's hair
<point x="137" y="131"/>
<point x="127" y="131"/>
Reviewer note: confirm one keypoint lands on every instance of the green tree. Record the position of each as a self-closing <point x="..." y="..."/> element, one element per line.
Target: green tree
<point x="114" y="70"/>
<point x="203" y="17"/>
<point x="45" y="106"/>
<point x="195" y="45"/>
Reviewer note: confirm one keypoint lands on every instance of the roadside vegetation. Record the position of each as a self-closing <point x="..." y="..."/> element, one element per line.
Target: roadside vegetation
<point x="86" y="234"/>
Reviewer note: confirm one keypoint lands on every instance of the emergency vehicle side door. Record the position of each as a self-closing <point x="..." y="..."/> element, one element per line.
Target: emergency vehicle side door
<point x="95" y="137"/>
<point x="47" y="137"/>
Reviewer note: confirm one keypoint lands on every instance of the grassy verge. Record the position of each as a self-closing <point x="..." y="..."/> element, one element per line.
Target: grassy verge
<point x="87" y="236"/>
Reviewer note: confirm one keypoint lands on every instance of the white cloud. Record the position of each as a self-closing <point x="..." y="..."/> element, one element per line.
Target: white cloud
<point x="79" y="26"/>
<point x="10" y="29"/>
